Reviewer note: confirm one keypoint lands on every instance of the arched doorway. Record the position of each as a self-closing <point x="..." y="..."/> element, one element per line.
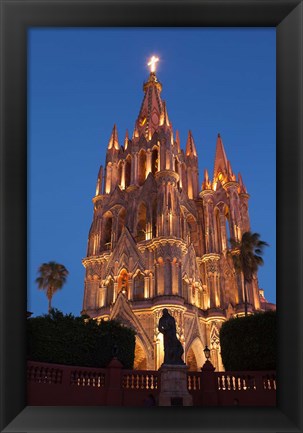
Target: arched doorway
<point x="191" y="361"/>
<point x="140" y="362"/>
<point x="195" y="356"/>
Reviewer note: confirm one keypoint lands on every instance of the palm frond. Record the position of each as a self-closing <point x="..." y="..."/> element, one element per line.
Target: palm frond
<point x="52" y="278"/>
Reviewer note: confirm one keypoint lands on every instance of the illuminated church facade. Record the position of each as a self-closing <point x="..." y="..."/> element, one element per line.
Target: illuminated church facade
<point x="159" y="240"/>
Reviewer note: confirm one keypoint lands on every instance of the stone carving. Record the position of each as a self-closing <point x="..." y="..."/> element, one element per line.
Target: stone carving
<point x="211" y="266"/>
<point x="173" y="349"/>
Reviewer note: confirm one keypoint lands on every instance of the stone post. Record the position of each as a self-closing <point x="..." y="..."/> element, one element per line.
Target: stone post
<point x="174" y="391"/>
<point x="209" y="385"/>
<point x="114" y="396"/>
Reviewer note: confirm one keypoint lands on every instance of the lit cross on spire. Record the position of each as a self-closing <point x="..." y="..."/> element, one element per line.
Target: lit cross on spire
<point x="152" y="63"/>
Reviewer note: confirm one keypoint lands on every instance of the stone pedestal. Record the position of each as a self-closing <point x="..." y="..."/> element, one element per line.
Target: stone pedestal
<point x="174" y="390"/>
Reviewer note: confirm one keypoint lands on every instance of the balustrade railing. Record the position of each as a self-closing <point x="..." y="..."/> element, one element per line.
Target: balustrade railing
<point x="269" y="381"/>
<point x="87" y="378"/>
<point x="245" y="388"/>
<point x="43" y="374"/>
<point x="194" y="381"/>
<point x="233" y="381"/>
<point x="140" y="380"/>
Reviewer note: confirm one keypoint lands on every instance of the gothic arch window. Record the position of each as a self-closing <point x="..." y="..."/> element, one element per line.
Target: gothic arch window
<point x="155" y="160"/>
<point x="128" y="165"/>
<point x="108" y="177"/>
<point x="141" y="223"/>
<point x="123" y="282"/>
<point x="184" y="176"/>
<point x="121" y="221"/>
<point x="190" y="190"/>
<point x="227" y="226"/>
<point x="182" y="224"/>
<point x="169" y="204"/>
<point x="141" y="167"/>
<point x="154" y="218"/>
<point x="160" y="276"/>
<point x="107" y="231"/>
<point x="218" y="230"/>
<point x="120" y="171"/>
<point x="138" y="286"/>
<point x="110" y="292"/>
<point x="193" y="231"/>
<point x="177" y="170"/>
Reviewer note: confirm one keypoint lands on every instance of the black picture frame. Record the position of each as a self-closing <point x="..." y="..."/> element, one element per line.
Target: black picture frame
<point x="16" y="17"/>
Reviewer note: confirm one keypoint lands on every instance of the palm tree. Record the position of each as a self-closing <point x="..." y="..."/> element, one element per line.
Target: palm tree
<point x="246" y="255"/>
<point x="52" y="277"/>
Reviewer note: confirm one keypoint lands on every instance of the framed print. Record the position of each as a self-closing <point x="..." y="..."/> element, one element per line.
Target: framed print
<point x="18" y="18"/>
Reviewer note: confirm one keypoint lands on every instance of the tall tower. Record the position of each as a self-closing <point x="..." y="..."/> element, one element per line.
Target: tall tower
<point x="159" y="241"/>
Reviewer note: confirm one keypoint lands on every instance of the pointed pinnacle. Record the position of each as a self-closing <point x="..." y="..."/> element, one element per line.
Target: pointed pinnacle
<point x="206" y="184"/>
<point x="165" y="115"/>
<point x="100" y="173"/>
<point x="190" y="145"/>
<point x="241" y="184"/>
<point x="206" y="178"/>
<point x="220" y="158"/>
<point x="126" y="139"/>
<point x="178" y="140"/>
<point x="113" y="141"/>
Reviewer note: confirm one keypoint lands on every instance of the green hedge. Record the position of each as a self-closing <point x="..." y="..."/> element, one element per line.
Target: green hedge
<point x="66" y="339"/>
<point x="249" y="343"/>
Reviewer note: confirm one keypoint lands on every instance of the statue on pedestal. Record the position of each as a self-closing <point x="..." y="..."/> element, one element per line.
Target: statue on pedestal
<point x="173" y="349"/>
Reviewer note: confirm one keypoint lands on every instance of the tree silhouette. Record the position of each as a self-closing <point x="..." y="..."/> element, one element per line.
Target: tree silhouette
<point x="247" y="257"/>
<point x="52" y="278"/>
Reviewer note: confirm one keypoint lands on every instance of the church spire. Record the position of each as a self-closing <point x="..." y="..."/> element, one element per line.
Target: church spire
<point x="153" y="112"/>
<point x="222" y="169"/>
<point x="220" y="159"/>
<point x="126" y="139"/>
<point x="164" y="116"/>
<point x="243" y="189"/>
<point x="113" y="141"/>
<point x="206" y="184"/>
<point x="190" y="145"/>
<point x="178" y="141"/>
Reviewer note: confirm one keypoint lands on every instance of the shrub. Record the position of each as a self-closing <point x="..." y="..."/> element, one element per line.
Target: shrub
<point x="66" y="339"/>
<point x="249" y="343"/>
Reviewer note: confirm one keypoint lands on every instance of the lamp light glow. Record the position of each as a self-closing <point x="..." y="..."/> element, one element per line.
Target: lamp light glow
<point x="206" y="352"/>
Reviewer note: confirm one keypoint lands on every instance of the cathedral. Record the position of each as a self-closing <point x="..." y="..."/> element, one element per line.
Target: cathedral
<point x="160" y="240"/>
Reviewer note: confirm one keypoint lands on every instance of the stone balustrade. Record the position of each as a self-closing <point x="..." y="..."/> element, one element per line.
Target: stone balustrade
<point x="56" y="385"/>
